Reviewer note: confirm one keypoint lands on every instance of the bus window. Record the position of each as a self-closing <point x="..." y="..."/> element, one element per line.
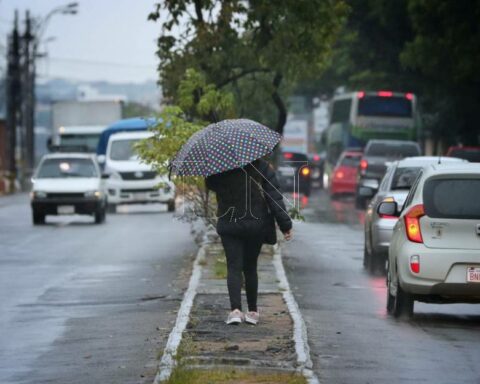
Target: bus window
<point x="385" y="106"/>
<point x="341" y="111"/>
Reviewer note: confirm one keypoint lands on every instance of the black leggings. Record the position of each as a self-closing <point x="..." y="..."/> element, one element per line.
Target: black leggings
<point x="242" y="254"/>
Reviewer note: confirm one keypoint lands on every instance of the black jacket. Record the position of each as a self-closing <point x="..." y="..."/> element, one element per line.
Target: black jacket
<point x="245" y="196"/>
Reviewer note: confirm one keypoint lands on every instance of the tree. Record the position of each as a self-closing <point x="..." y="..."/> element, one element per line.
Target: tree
<point x="257" y="47"/>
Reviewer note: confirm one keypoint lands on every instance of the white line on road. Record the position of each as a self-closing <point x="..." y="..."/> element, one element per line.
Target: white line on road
<point x="299" y="328"/>
<point x="167" y="363"/>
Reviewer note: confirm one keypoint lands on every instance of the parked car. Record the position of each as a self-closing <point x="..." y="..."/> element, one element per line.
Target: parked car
<point x="434" y="254"/>
<point x="344" y="175"/>
<point x="471" y="154"/>
<point x="394" y="188"/>
<point x="131" y="181"/>
<point x="68" y="184"/>
<point x="373" y="165"/>
<point x="294" y="173"/>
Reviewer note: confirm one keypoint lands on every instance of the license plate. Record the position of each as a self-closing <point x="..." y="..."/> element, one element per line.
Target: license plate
<point x="140" y="196"/>
<point x="65" y="209"/>
<point x="473" y="274"/>
<point x="286" y="171"/>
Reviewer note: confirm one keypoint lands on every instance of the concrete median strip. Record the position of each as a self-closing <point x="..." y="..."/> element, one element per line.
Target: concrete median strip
<point x="201" y="341"/>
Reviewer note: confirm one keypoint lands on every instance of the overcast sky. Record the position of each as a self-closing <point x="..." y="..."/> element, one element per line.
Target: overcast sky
<point x="107" y="40"/>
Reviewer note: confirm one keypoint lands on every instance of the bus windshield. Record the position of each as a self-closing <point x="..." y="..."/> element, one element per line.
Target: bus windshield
<point x="394" y="106"/>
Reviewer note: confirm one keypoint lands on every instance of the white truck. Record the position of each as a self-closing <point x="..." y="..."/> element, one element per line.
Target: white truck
<point x="78" y="124"/>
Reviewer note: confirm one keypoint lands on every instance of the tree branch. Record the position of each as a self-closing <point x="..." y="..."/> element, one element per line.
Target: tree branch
<point x="241" y="74"/>
<point x="279" y="103"/>
<point x="198" y="10"/>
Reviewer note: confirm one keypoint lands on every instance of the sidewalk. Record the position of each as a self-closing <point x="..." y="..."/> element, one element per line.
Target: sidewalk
<point x="213" y="352"/>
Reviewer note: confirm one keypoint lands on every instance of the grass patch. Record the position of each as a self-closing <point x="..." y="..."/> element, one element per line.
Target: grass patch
<point x="181" y="375"/>
<point x="220" y="268"/>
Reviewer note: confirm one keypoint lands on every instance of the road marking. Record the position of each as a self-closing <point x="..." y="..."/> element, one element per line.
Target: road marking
<point x="167" y="363"/>
<point x="299" y="328"/>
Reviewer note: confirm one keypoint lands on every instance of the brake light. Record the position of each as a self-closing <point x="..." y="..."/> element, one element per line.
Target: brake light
<point x="385" y="93"/>
<point x="339" y="175"/>
<point x="412" y="223"/>
<point x="415" y="263"/>
<point x="305" y="171"/>
<point x="409" y="96"/>
<point x="363" y="164"/>
<point x="361" y="94"/>
<point x="316" y="158"/>
<point x="288" y="155"/>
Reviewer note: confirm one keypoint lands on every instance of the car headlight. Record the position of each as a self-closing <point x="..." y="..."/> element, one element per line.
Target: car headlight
<point x="97" y="194"/>
<point x="38" y="195"/>
<point x="115" y="176"/>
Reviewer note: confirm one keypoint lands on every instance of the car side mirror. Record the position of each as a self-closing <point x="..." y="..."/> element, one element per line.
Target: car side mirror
<point x="366" y="192"/>
<point x="105" y="175"/>
<point x="388" y="208"/>
<point x="101" y="159"/>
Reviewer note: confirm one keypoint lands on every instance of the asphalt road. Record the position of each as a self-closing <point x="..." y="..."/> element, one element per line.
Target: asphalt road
<point x="86" y="303"/>
<point x="352" y="339"/>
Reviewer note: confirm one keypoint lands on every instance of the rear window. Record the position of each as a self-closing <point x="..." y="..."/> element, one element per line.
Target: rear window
<point x="452" y="198"/>
<point x="385" y="106"/>
<point x="405" y="177"/>
<point x="392" y="150"/>
<point x="350" y="161"/>
<point x="472" y="155"/>
<point x="293" y="156"/>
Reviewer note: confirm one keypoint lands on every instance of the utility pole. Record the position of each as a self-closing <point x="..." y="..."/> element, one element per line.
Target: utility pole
<point x="28" y="110"/>
<point x="13" y="100"/>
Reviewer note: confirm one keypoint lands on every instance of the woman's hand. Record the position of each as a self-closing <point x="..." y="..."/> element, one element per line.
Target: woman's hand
<point x="288" y="235"/>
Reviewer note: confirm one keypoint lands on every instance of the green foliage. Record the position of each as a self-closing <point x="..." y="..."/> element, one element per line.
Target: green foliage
<point x="134" y="109"/>
<point x="253" y="49"/>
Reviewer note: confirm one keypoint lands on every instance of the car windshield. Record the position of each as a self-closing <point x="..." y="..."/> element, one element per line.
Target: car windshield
<point x="350" y="161"/>
<point x="472" y="155"/>
<point x="392" y="150"/>
<point x="123" y="150"/>
<point x="404" y="177"/>
<point x="452" y="198"/>
<point x="67" y="167"/>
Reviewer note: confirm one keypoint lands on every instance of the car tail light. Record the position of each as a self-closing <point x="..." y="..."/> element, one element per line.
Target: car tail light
<point x="409" y="96"/>
<point x="316" y="157"/>
<point x="415" y="263"/>
<point x="339" y="175"/>
<point x="361" y="94"/>
<point x="288" y="155"/>
<point x="385" y="93"/>
<point x="412" y="223"/>
<point x="305" y="171"/>
<point x="363" y="166"/>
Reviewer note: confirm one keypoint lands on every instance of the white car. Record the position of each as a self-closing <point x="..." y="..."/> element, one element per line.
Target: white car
<point x="394" y="187"/>
<point x="67" y="184"/>
<point x="434" y="253"/>
<point x="131" y="181"/>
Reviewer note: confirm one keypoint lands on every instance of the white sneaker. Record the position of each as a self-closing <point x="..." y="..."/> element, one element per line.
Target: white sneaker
<point x="235" y="317"/>
<point x="252" y="317"/>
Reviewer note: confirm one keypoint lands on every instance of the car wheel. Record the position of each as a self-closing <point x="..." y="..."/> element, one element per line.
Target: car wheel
<point x="171" y="206"/>
<point x="38" y="218"/>
<point x="390" y="297"/>
<point x="402" y="304"/>
<point x="111" y="208"/>
<point x="100" y="216"/>
<point x="366" y="257"/>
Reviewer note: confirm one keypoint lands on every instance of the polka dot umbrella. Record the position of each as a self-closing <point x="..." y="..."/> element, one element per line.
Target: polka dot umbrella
<point x="223" y="146"/>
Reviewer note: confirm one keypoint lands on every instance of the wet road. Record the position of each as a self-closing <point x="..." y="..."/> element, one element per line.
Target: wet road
<point x="352" y="339"/>
<point x="86" y="303"/>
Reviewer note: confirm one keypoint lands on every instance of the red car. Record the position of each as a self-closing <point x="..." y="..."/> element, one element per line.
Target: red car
<point x="344" y="176"/>
<point x="471" y="154"/>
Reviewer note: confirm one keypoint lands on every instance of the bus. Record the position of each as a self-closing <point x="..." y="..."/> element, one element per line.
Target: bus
<point x="359" y="116"/>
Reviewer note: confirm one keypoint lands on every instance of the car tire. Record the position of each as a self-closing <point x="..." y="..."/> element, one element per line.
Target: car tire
<point x="390" y="297"/>
<point x="366" y="257"/>
<point x="171" y="206"/>
<point x="38" y="218"/>
<point x="402" y="304"/>
<point x="100" y="216"/>
<point x="112" y="208"/>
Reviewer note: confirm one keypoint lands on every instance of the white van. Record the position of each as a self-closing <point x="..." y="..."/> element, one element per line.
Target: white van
<point x="131" y="181"/>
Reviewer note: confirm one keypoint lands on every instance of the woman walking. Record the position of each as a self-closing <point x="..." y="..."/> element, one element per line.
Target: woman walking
<point x="247" y="199"/>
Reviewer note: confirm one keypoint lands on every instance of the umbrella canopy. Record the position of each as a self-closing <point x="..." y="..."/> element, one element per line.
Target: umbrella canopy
<point x="223" y="146"/>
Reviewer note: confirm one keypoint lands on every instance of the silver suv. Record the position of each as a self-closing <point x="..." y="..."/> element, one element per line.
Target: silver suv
<point x="434" y="253"/>
<point x="394" y="188"/>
